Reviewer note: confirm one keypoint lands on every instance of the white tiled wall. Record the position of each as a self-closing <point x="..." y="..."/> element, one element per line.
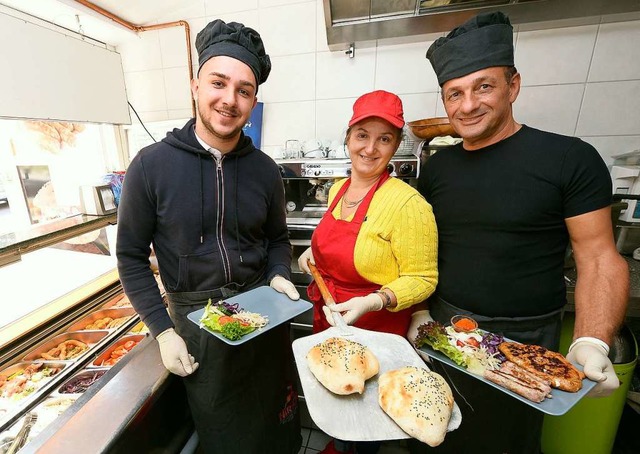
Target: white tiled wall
<point x="582" y="81"/>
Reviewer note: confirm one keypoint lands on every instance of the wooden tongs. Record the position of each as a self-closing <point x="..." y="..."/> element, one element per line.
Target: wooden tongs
<point x="328" y="300"/>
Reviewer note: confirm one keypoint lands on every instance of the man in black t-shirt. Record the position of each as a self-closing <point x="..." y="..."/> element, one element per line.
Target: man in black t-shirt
<point x="507" y="201"/>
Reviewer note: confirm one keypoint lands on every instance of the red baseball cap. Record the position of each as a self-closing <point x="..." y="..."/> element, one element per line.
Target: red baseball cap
<point x="381" y="104"/>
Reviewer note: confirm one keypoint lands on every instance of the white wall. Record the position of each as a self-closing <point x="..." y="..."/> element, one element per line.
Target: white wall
<point x="51" y="75"/>
<point x="582" y="81"/>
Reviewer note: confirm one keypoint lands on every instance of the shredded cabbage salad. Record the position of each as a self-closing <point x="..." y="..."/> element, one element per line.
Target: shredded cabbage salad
<point x="480" y="358"/>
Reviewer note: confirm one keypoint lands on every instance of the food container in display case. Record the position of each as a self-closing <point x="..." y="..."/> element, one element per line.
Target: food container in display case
<point x="20" y="382"/>
<point x="139" y="328"/>
<point x="118" y="301"/>
<point x="81" y="381"/>
<point x="102" y="319"/>
<point x="110" y="412"/>
<point x="64" y="347"/>
<point x="34" y="422"/>
<point x="117" y="350"/>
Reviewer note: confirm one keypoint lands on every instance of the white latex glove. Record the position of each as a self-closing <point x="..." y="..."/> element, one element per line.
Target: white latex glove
<point x="282" y="285"/>
<point x="175" y="356"/>
<point x="417" y="319"/>
<point x="354" y="308"/>
<point x="596" y="366"/>
<point x="302" y="260"/>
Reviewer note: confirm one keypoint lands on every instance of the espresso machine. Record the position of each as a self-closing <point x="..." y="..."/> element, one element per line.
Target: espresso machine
<point x="307" y="183"/>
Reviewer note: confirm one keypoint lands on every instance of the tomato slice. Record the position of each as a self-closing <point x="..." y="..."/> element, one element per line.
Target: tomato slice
<point x="228" y="319"/>
<point x="225" y="319"/>
<point x="129" y="345"/>
<point x="473" y="342"/>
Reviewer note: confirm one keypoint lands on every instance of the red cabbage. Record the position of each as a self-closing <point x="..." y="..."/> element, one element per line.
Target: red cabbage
<point x="228" y="308"/>
<point x="490" y="341"/>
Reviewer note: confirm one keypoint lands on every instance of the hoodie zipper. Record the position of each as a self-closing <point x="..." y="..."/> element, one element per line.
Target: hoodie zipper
<point x="220" y="219"/>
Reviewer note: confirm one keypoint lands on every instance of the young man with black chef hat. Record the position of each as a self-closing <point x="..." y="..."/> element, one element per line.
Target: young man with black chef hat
<point x="507" y="202"/>
<point x="213" y="207"/>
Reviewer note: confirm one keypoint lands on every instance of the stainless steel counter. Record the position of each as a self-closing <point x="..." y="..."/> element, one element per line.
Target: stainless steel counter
<point x="101" y="420"/>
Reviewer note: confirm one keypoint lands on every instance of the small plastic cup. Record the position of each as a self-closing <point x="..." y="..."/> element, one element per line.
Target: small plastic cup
<point x="463" y="323"/>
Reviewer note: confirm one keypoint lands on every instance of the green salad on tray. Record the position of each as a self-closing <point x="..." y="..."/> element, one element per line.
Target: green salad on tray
<point x="230" y="320"/>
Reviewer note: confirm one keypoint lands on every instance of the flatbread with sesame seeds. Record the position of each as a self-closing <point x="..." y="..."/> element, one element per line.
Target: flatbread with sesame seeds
<point x="418" y="400"/>
<point x="341" y="365"/>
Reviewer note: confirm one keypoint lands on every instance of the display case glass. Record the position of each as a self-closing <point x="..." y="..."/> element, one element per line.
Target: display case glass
<point x="49" y="268"/>
<point x="64" y="295"/>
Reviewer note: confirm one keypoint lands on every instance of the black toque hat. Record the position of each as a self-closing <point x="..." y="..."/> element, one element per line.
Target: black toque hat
<point x="236" y="41"/>
<point x="483" y="41"/>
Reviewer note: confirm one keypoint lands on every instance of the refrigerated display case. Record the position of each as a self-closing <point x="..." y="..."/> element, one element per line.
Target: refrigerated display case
<point x="65" y="319"/>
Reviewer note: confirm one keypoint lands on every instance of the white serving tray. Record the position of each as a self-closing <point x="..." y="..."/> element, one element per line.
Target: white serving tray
<point x="358" y="417"/>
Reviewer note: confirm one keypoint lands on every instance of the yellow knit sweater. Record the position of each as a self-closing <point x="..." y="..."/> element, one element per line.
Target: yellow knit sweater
<point x="397" y="246"/>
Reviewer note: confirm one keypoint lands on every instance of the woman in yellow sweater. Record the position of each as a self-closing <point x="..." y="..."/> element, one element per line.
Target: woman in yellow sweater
<point x="376" y="246"/>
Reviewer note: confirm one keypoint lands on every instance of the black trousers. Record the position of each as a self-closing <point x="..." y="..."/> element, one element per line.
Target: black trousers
<point x="243" y="398"/>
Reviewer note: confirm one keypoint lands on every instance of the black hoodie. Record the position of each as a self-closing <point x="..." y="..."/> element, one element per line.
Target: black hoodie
<point x="211" y="223"/>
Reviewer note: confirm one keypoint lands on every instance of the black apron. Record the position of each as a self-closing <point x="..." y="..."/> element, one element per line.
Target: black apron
<point x="243" y="398"/>
<point x="492" y="421"/>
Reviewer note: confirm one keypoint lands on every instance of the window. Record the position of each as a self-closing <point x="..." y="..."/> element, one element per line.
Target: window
<point x="44" y="163"/>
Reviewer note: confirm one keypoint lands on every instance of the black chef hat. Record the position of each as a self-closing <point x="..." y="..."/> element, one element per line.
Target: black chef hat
<point x="483" y="41"/>
<point x="236" y="41"/>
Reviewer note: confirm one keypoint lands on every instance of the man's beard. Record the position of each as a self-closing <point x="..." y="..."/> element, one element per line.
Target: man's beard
<point x="209" y="127"/>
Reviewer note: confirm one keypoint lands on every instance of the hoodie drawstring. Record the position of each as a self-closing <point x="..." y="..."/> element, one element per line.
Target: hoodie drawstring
<point x="201" y="200"/>
<point x="236" y="208"/>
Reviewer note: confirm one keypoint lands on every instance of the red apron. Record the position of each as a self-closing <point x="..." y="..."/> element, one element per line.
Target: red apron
<point x="333" y="244"/>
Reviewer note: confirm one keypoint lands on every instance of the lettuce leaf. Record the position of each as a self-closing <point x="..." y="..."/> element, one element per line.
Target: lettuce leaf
<point x="210" y="317"/>
<point x="433" y="334"/>
<point x="232" y="330"/>
<point x="235" y="330"/>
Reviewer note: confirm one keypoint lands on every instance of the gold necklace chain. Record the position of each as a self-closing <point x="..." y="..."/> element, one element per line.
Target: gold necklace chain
<point x="350" y="204"/>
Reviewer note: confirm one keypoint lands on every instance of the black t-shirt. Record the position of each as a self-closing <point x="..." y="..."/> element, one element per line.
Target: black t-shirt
<point x="500" y="213"/>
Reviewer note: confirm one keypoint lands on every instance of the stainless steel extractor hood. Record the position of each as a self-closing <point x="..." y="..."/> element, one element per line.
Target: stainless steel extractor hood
<point x="350" y="21"/>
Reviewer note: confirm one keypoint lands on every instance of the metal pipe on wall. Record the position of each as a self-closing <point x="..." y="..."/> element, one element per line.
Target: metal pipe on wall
<point x="144" y="28"/>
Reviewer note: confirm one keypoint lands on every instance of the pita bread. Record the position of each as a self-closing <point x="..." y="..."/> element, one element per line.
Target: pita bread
<point x="341" y="365"/>
<point x="419" y="401"/>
